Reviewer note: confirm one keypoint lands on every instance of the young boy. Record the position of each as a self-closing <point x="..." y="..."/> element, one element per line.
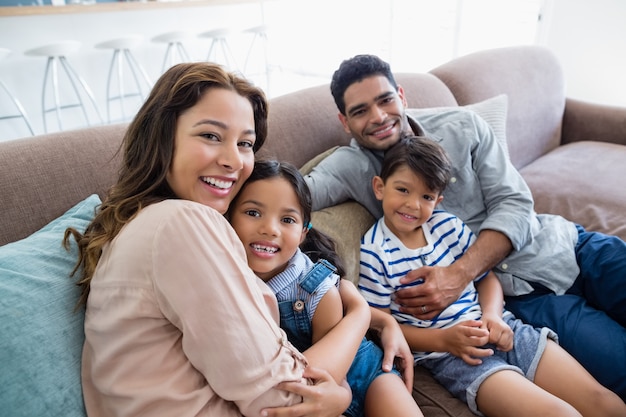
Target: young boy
<point x="480" y="352"/>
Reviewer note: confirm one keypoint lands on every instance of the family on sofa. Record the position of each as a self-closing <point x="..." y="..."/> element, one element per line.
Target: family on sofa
<point x="177" y="324"/>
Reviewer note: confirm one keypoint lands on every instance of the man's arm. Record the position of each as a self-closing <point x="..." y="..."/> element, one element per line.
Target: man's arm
<point x="344" y="175"/>
<point x="491" y="197"/>
<point x="444" y="285"/>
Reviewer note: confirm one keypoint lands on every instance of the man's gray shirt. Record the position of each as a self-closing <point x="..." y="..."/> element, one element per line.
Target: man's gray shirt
<point x="486" y="192"/>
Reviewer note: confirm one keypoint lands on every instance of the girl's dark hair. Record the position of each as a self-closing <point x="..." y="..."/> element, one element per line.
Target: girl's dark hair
<point x="148" y="149"/>
<point x="354" y="70"/>
<point x="317" y="245"/>
<point x="425" y="157"/>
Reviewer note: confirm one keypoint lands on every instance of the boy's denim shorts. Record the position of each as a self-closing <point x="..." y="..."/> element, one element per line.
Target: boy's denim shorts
<point x="463" y="380"/>
<point x="366" y="367"/>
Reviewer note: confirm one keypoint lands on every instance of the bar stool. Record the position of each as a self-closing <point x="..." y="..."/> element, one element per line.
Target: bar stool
<point x="220" y="51"/>
<point x="175" y="51"/>
<point x="259" y="39"/>
<point x="4" y="52"/>
<point x="56" y="53"/>
<point x="122" y="59"/>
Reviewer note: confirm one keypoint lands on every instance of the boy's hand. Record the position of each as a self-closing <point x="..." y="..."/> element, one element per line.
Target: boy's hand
<point x="500" y="334"/>
<point x="465" y="340"/>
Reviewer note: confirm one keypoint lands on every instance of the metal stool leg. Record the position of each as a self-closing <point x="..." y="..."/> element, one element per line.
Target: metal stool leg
<point x="20" y="109"/>
<point x="75" y="77"/>
<point x="136" y="68"/>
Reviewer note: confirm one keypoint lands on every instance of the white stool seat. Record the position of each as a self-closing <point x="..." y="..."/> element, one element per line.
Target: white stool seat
<point x="125" y="42"/>
<point x="60" y="48"/>
<point x="261" y="29"/>
<point x="56" y="53"/>
<point x="122" y="59"/>
<point x="4" y="52"/>
<point x="175" y="51"/>
<point x="175" y="36"/>
<point x="220" y="51"/>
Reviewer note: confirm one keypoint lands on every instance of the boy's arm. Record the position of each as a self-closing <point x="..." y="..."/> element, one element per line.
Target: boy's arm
<point x="491" y="301"/>
<point x="337" y="337"/>
<point x="464" y="339"/>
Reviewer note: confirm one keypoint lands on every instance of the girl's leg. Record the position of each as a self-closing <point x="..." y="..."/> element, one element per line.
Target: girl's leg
<point x="508" y="393"/>
<point x="387" y="396"/>
<point x="560" y="374"/>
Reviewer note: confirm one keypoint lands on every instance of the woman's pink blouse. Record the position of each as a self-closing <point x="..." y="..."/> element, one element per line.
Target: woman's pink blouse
<point x="178" y="325"/>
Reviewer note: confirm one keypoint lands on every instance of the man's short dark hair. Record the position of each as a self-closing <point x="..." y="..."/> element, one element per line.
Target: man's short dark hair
<point x="354" y="70"/>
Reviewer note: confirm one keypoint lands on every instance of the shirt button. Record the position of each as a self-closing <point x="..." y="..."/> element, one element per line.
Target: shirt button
<point x="453" y="180"/>
<point x="504" y="266"/>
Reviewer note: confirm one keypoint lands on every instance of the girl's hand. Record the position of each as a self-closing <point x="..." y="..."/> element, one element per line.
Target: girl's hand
<point x="394" y="345"/>
<point x="325" y="398"/>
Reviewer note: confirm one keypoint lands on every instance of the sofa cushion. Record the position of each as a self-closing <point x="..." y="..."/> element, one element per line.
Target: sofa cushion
<point x="561" y="184"/>
<point x="493" y="110"/>
<point x="42" y="332"/>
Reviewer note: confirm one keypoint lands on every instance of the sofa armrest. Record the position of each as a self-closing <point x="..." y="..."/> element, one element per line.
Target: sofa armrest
<point x="594" y="122"/>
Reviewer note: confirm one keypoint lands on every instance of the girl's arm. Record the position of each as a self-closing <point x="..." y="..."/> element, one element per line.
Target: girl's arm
<point x="491" y="301"/>
<point x="339" y="324"/>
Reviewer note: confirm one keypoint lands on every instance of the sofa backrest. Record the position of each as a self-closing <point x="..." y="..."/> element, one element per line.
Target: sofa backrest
<point x="45" y="175"/>
<point x="303" y="124"/>
<point x="531" y="77"/>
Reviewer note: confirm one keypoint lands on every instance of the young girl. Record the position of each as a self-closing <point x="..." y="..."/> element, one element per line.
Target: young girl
<point x="480" y="352"/>
<point x="272" y="217"/>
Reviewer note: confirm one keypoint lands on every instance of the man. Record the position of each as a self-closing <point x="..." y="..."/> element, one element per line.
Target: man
<point x="553" y="272"/>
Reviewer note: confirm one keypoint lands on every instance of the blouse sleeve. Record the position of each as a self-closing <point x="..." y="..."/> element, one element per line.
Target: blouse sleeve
<point x="227" y="316"/>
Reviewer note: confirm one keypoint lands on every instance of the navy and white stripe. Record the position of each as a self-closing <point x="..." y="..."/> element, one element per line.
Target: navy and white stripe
<point x="385" y="259"/>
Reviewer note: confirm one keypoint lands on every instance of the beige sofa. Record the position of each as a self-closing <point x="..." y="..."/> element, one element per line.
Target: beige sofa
<point x="571" y="153"/>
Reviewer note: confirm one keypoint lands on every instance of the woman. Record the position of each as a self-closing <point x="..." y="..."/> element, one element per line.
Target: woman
<point x="176" y="323"/>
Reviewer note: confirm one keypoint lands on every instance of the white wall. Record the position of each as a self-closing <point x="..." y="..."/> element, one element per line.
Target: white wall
<point x="309" y="40"/>
<point x="589" y="38"/>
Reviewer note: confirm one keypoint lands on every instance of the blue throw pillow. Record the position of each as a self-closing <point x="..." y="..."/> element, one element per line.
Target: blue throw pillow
<point x="41" y="333"/>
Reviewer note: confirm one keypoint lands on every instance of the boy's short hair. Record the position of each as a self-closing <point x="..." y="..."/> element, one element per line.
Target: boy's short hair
<point x="424" y="157"/>
<point x="356" y="69"/>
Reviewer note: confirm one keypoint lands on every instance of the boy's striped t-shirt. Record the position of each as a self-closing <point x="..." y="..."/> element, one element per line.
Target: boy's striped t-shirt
<point x="385" y="259"/>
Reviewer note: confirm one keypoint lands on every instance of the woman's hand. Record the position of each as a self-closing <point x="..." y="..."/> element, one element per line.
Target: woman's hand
<point x="325" y="398"/>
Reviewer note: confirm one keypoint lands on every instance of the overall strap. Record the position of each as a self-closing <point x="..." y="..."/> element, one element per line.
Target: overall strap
<point x="320" y="271"/>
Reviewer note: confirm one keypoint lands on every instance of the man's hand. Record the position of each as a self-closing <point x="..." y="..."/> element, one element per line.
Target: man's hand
<point x="440" y="287"/>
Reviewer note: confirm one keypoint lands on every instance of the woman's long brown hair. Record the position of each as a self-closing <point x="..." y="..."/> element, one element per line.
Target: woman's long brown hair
<point x="147" y="152"/>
